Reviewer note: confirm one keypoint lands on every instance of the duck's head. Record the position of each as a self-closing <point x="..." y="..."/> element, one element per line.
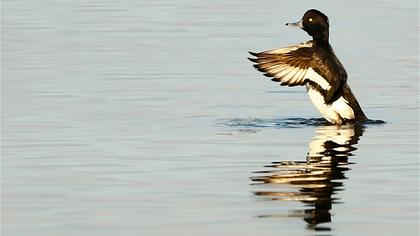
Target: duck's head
<point x="315" y="23"/>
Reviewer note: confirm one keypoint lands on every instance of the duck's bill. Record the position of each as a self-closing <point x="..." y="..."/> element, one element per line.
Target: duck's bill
<point x="295" y="25"/>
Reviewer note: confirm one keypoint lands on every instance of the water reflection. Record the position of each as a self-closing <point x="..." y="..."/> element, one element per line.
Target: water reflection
<point x="318" y="179"/>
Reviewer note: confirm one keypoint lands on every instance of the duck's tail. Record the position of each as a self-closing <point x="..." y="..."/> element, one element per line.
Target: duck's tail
<point x="360" y="117"/>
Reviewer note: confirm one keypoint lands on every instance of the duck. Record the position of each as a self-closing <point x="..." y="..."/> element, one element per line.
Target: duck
<point x="313" y="64"/>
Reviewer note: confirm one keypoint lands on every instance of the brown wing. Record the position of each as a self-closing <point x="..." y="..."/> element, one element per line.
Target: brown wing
<point x="286" y="65"/>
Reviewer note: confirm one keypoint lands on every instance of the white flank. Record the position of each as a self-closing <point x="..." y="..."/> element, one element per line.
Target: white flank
<point x="341" y="106"/>
<point x="326" y="110"/>
<point x="335" y="112"/>
<point x="315" y="77"/>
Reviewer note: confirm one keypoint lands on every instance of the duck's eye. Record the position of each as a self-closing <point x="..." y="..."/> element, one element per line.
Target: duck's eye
<point x="310" y="19"/>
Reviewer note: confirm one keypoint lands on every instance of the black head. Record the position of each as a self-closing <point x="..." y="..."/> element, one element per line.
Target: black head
<point x="315" y="23"/>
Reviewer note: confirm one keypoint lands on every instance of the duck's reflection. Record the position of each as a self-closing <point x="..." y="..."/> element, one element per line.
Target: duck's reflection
<point x="318" y="179"/>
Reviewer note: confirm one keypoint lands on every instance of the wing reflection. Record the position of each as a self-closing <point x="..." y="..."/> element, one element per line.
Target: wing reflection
<point x="318" y="179"/>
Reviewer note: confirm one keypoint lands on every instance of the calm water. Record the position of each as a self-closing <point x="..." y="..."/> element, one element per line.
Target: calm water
<point x="145" y="118"/>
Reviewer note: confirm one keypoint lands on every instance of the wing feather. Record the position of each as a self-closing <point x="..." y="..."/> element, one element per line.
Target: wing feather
<point x="285" y="65"/>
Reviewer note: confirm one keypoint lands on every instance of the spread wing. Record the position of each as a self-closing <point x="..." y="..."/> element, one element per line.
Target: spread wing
<point x="288" y="65"/>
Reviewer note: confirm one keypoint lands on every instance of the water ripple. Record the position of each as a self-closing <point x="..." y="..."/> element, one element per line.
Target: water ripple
<point x="315" y="181"/>
<point x="284" y="122"/>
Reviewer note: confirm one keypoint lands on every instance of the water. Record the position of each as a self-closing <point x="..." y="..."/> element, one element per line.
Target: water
<point x="145" y="118"/>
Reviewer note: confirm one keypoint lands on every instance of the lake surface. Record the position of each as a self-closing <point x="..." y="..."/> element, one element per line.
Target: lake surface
<point x="145" y="118"/>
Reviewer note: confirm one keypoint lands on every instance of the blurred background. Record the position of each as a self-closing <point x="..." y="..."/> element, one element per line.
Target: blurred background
<point x="146" y="118"/>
